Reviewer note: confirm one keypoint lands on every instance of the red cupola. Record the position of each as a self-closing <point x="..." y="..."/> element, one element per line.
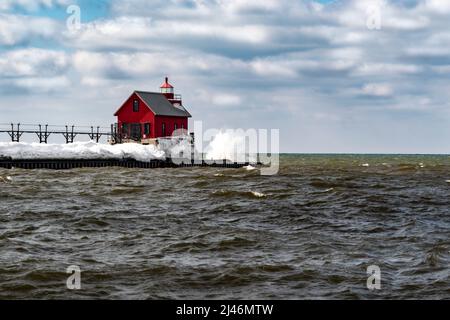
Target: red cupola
<point x="167" y="89"/>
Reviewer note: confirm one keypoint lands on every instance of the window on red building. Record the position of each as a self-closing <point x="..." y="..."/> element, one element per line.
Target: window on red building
<point x="125" y="129"/>
<point x="136" y="105"/>
<point x="135" y="131"/>
<point x="147" y="129"/>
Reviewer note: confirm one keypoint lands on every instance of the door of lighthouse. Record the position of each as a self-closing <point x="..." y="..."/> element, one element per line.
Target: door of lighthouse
<point x="136" y="133"/>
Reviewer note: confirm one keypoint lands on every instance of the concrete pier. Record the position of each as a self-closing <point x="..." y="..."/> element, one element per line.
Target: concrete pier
<point x="65" y="164"/>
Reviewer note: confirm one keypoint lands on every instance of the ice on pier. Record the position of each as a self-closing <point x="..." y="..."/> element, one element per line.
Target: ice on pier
<point x="80" y="150"/>
<point x="224" y="145"/>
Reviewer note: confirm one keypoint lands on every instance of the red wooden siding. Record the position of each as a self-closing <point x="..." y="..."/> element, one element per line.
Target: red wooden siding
<point x="126" y="115"/>
<point x="170" y="124"/>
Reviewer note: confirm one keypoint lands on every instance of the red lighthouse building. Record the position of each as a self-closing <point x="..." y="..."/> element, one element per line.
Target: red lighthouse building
<point x="146" y="116"/>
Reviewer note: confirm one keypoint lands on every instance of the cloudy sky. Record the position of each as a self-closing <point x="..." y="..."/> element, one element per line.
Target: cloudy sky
<point x="334" y="76"/>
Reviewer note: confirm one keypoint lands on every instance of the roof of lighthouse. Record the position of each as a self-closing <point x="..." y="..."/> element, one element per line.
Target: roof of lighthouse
<point x="166" y="84"/>
<point x="160" y="106"/>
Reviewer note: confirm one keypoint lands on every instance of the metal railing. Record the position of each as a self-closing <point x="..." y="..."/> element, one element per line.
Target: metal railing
<point x="43" y="132"/>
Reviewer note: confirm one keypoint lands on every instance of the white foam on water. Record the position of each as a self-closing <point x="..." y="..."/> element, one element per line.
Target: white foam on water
<point x="365" y="165"/>
<point x="448" y="181"/>
<point x="5" y="179"/>
<point x="258" y="194"/>
<point x="249" y="168"/>
<point x="229" y="145"/>
<point x="80" y="150"/>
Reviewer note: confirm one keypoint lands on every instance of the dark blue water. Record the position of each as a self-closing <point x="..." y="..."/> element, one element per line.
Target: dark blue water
<point x="309" y="232"/>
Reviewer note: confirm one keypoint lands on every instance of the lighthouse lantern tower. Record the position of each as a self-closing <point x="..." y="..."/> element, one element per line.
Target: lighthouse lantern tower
<point x="168" y="91"/>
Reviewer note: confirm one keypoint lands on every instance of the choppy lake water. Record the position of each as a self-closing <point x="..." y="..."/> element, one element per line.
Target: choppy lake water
<point x="309" y="232"/>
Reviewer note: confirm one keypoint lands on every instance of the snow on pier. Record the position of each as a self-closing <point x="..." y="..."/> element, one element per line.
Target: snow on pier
<point x="80" y="150"/>
<point x="90" y="154"/>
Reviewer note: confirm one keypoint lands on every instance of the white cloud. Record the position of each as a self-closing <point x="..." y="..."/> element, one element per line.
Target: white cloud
<point x="386" y="69"/>
<point x="40" y="84"/>
<point x="265" y="67"/>
<point x="438" y="6"/>
<point x="33" y="62"/>
<point x="147" y="33"/>
<point x="377" y="90"/>
<point x="238" y="6"/>
<point x="391" y="16"/>
<point x="35" y="70"/>
<point x="302" y="65"/>
<point x="226" y="100"/>
<point x="31" y="4"/>
<point x="93" y="66"/>
<point x="15" y="29"/>
<point x="428" y="51"/>
<point x="445" y="69"/>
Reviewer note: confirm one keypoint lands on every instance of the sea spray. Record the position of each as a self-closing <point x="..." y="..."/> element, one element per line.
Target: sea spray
<point x="179" y="148"/>
<point x="232" y="145"/>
